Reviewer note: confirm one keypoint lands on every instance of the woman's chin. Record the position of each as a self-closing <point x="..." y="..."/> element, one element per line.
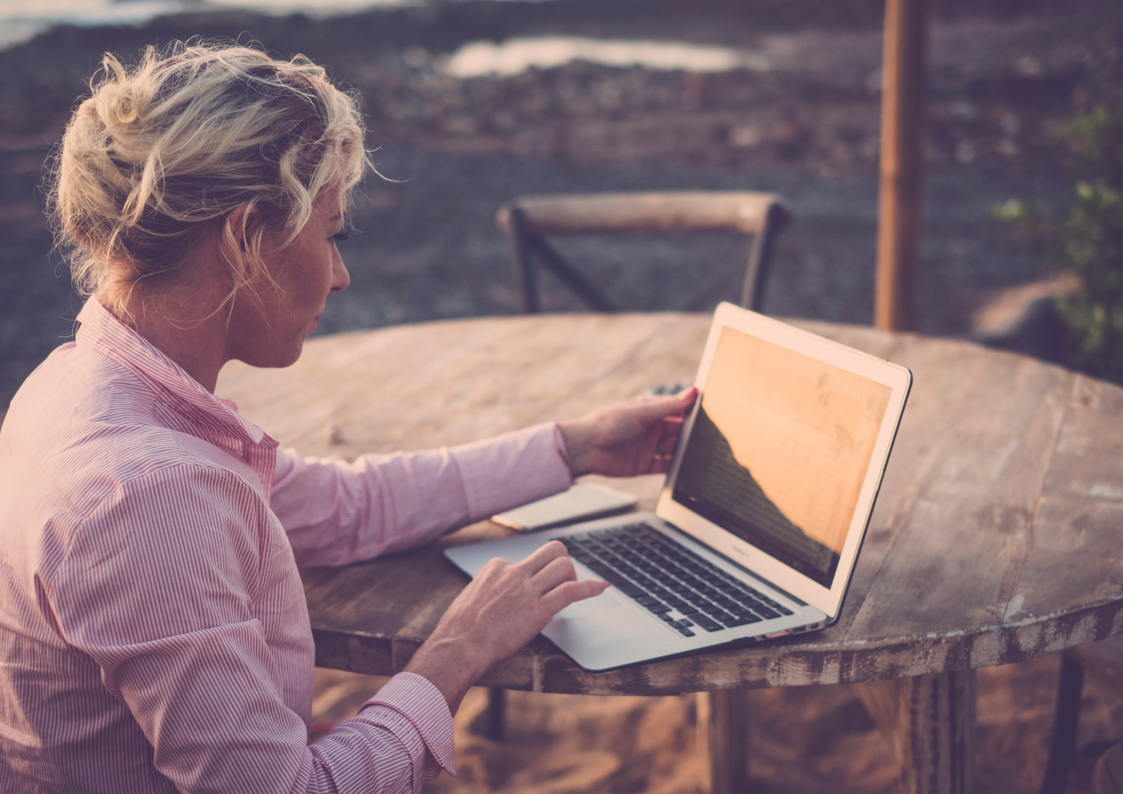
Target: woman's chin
<point x="276" y="358"/>
<point x="292" y="357"/>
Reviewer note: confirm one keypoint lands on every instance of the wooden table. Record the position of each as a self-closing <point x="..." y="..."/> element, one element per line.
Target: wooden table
<point x="995" y="538"/>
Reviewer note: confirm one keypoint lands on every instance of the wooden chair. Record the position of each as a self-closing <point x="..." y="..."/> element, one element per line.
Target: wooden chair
<point x="1102" y="661"/>
<point x="1107" y="777"/>
<point x="528" y="222"/>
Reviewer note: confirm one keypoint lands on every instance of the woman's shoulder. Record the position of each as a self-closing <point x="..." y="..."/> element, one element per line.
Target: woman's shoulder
<point x="86" y="436"/>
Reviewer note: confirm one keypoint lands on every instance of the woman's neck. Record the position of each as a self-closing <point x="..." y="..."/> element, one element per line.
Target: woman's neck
<point x="187" y="322"/>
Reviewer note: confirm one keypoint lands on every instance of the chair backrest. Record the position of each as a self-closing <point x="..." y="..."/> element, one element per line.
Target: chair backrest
<point x="529" y="220"/>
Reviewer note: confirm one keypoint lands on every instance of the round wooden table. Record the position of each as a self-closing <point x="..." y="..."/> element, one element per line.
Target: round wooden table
<point x="995" y="538"/>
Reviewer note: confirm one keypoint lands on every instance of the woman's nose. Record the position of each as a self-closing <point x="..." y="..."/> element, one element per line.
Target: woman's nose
<point x="340" y="278"/>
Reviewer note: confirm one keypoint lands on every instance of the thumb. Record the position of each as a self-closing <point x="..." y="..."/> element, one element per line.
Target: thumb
<point x="676" y="404"/>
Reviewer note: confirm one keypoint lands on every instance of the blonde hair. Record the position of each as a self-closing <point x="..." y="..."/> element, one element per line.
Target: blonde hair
<point x="161" y="153"/>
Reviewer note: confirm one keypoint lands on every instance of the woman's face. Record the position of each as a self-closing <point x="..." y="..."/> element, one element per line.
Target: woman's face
<point x="268" y="328"/>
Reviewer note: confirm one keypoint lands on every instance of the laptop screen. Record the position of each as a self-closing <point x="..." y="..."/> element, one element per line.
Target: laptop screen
<point x="779" y="450"/>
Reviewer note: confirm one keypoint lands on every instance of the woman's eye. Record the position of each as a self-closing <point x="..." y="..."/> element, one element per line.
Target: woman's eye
<point x="340" y="236"/>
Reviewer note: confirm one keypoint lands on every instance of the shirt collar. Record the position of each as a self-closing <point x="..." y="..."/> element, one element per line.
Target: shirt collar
<point x="103" y="332"/>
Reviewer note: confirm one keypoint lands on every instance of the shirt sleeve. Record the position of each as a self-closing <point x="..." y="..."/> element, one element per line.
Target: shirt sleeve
<point x="337" y="512"/>
<point x="183" y="591"/>
<point x="413" y="717"/>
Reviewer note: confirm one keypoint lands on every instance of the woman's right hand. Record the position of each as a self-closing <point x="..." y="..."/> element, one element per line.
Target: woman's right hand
<point x="499" y="612"/>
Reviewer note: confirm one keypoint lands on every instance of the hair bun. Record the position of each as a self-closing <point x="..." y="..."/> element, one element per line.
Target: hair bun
<point x="161" y="149"/>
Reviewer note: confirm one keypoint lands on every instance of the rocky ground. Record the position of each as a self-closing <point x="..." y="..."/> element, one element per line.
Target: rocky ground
<point x="802" y="121"/>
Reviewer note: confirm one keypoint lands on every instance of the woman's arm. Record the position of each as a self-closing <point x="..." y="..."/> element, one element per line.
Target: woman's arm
<point x="337" y="512"/>
<point x="183" y="598"/>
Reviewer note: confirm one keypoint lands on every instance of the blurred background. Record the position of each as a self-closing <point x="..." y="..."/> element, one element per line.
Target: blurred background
<point x="471" y="103"/>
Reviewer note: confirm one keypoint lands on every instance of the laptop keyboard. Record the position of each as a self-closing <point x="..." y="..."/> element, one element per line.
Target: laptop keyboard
<point x="668" y="579"/>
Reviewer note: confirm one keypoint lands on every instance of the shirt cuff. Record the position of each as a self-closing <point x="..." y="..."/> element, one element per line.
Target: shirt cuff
<point x="422" y="706"/>
<point x="559" y="442"/>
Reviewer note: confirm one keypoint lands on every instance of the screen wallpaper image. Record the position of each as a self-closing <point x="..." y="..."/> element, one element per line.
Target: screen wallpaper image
<point x="779" y="451"/>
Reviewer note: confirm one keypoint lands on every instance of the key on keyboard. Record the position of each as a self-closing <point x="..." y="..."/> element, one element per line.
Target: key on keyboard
<point x="669" y="580"/>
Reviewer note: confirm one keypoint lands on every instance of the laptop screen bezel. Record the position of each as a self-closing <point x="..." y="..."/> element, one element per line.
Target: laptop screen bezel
<point x="742" y="552"/>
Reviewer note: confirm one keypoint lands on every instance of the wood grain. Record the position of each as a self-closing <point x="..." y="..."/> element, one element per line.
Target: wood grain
<point x="661" y="213"/>
<point x="929" y="721"/>
<point x="994" y="538"/>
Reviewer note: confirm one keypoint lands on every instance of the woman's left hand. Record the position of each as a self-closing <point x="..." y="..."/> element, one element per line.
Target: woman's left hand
<point x="634" y="437"/>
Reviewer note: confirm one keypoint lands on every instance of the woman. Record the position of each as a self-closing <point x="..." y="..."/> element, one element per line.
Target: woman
<point x="153" y="630"/>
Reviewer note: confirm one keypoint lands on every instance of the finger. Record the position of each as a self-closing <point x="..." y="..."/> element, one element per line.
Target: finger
<point x="493" y="569"/>
<point x="646" y="460"/>
<point x="543" y="556"/>
<point x="672" y="425"/>
<point x="688" y="397"/>
<point x="665" y="424"/>
<point x="656" y="449"/>
<point x="677" y="404"/>
<point x="669" y="431"/>
<point x="570" y="592"/>
<point x="557" y="571"/>
<point x="650" y="410"/>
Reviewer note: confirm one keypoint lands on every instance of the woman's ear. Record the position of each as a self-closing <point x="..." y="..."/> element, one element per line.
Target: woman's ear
<point x="242" y="223"/>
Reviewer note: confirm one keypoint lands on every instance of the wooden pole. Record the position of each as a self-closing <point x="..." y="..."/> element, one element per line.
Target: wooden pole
<point x="900" y="199"/>
<point x="929" y="721"/>
<point x="723" y="734"/>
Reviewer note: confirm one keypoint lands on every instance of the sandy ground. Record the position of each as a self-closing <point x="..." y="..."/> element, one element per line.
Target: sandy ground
<point x="805" y="740"/>
<point x="1003" y="76"/>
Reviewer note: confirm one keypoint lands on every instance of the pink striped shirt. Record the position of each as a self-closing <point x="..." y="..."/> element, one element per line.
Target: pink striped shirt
<point x="153" y="631"/>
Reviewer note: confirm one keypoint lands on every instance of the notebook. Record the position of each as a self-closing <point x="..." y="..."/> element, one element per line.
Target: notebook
<point x="762" y="513"/>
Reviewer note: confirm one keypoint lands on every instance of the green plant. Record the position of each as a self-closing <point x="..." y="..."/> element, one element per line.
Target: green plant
<point x="1088" y="242"/>
<point x="1092" y="244"/>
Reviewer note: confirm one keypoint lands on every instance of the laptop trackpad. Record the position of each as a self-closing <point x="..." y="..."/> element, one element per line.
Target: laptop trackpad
<point x="594" y="609"/>
<point x="601" y="633"/>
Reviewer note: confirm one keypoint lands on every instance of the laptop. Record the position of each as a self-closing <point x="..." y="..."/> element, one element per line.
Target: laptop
<point x="760" y="519"/>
